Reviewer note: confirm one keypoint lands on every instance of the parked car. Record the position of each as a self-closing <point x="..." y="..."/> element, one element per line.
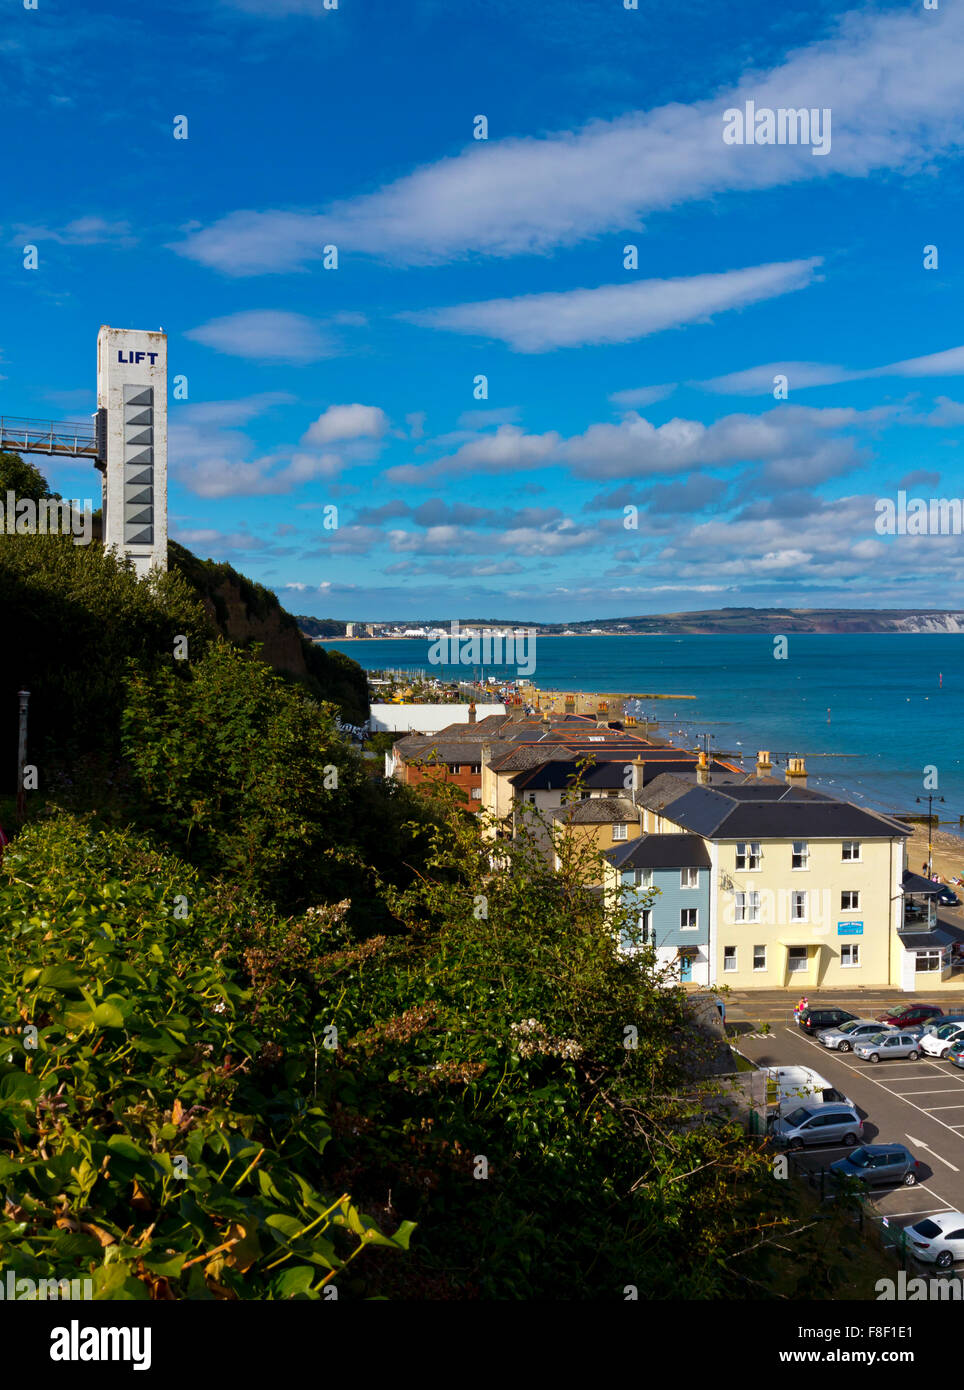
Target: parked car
<point x="910" y="1015"/>
<point x="818" y="1124"/>
<point x="939" y="1044"/>
<point x="956" y="1053"/>
<point x="878" y="1163"/>
<point x="854" y="1030"/>
<point x="888" y="1047"/>
<point x="935" y="1023"/>
<point x="938" y="1239"/>
<point x="948" y="898"/>
<point x="816" y="1020"/>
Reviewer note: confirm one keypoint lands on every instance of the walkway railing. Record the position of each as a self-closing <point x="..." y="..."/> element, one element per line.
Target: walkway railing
<point x="74" y="439"/>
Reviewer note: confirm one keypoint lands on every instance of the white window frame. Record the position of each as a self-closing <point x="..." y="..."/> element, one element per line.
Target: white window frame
<point x="851" y="949"/>
<point x="750" y="852"/>
<point x="851" y="858"/>
<point x="646" y="925"/>
<point x="850" y="893"/>
<point x="642" y="878"/>
<point x="696" y="918"/>
<point x="689" y="878"/>
<point x="746" y="901"/>
<point x="476" y="794"/>
<point x="730" y="965"/>
<point x="757" y="949"/>
<point x="620" y="826"/>
<point x="795" y="895"/>
<point x="803" y="853"/>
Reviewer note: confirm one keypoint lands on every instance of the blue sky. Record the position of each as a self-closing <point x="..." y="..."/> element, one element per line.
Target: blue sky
<point x="608" y="387"/>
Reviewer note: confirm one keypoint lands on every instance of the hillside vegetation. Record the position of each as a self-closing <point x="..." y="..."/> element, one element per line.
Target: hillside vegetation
<point x="275" y="1029"/>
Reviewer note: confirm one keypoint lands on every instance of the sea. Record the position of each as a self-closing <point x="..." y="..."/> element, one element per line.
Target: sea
<point x="879" y="717"/>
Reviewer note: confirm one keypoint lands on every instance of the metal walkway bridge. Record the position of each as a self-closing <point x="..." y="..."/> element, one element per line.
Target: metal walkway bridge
<point x="66" y="438"/>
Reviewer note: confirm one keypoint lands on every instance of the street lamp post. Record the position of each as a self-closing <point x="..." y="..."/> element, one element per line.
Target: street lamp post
<point x="930" y="830"/>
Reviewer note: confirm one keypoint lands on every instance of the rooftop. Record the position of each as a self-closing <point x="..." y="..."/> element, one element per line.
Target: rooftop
<point x="660" y="852"/>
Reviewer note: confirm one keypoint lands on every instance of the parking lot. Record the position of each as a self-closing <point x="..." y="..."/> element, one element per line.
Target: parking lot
<point x="919" y="1104"/>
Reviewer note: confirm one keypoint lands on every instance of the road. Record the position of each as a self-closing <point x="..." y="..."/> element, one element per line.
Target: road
<point x="919" y="1104"/>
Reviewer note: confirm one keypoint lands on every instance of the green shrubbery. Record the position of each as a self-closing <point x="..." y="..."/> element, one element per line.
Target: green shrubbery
<point x="260" y="1009"/>
<point x="158" y="1131"/>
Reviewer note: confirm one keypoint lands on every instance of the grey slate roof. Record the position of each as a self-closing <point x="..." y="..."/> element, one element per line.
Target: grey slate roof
<point x="944" y="934"/>
<point x="550" y="776"/>
<point x="774" y="810"/>
<point x="664" y="789"/>
<point x="597" y="810"/>
<point x="660" y="852"/>
<point x="437" y="750"/>
<point x="918" y="884"/>
<point x="527" y="755"/>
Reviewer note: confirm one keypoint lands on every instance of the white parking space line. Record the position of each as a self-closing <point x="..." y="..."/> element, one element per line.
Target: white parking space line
<point x="919" y="1143"/>
<point x="899" y="1215"/>
<point x="866" y="1073"/>
<point x="948" y="1091"/>
<point x="932" y="1108"/>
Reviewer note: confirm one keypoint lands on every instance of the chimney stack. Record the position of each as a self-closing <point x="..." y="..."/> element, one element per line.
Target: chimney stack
<point x="763" y="765"/>
<point x="472" y="712"/>
<point x="703" y="770"/>
<point x="638" y="769"/>
<point x="796" y="772"/>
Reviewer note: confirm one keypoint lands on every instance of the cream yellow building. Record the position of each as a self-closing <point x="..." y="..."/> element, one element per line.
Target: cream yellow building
<point x="805" y="890"/>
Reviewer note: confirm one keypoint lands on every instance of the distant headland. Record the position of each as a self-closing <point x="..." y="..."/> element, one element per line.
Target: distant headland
<point x="713" y="621"/>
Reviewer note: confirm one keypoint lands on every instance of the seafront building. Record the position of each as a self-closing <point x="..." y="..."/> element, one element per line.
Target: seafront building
<point x="664" y="880"/>
<point x="805" y="890"/>
<point x="755" y="881"/>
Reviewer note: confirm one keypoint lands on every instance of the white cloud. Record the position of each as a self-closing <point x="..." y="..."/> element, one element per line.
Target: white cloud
<point x="616" y="313"/>
<point x="510" y="448"/>
<point x="213" y="459"/>
<point x="640" y="396"/>
<point x="82" y="231"/>
<point x="267" y="335"/>
<point x="789" y="442"/>
<point x="892" y="81"/>
<point x="347" y="422"/>
<point x="758" y="381"/>
<point x="755" y="381"/>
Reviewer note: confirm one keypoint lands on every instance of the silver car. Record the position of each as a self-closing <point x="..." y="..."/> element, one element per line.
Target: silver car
<point x="887" y="1047"/>
<point x="845" y="1035"/>
<point x="818" y="1124"/>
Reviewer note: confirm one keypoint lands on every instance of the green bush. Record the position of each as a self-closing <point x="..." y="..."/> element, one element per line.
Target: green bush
<point x="158" y="1133"/>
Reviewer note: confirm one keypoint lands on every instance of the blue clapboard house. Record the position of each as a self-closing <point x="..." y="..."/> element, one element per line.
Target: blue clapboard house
<point x="676" y="920"/>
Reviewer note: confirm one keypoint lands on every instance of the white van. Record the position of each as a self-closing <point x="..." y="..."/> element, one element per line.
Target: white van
<point x="790" y="1087"/>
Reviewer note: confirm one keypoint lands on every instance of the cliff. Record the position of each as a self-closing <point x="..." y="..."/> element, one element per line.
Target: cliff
<point x="247" y="613"/>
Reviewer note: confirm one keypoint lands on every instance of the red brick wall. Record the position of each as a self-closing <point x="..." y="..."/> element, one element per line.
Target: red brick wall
<point x="459" y="777"/>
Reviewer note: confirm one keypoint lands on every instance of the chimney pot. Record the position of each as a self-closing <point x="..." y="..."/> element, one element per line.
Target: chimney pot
<point x="796" y="772"/>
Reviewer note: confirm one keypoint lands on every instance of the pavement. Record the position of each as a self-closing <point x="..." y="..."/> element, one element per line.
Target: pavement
<point x="919" y="1104"/>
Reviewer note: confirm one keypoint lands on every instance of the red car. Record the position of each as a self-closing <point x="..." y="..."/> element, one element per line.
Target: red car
<point x="910" y="1015"/>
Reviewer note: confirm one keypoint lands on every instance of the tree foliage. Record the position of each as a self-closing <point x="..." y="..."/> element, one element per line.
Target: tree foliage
<point x="247" y="775"/>
<point x="158" y="1134"/>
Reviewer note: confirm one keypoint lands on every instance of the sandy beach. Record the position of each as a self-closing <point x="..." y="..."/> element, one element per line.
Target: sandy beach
<point x="948" y="855"/>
